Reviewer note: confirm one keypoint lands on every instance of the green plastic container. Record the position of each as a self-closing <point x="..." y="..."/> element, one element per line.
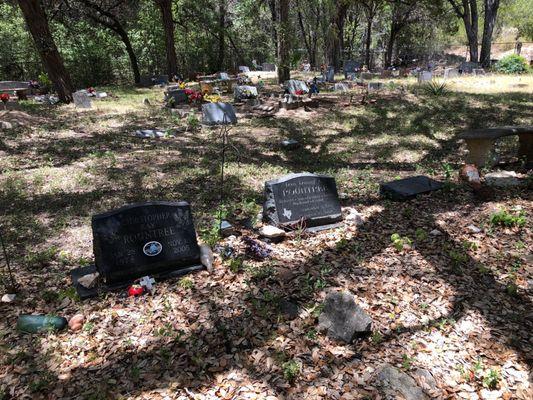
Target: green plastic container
<point x="40" y="323"/>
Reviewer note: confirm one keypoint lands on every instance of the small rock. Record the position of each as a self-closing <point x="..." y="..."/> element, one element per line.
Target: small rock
<point x="8" y="298"/>
<point x="435" y="232"/>
<point x="425" y="379"/>
<point x="89" y="281"/>
<point x="290" y="144"/>
<point x="5" y="125"/>
<point x="206" y="257"/>
<point x="394" y="384"/>
<point x="342" y="318"/>
<point x="226" y="229"/>
<point x="470" y="174"/>
<point x="289" y="309"/>
<point x="473" y="229"/>
<point x="354" y="216"/>
<point x="76" y="322"/>
<point x="271" y="232"/>
<point x="502" y="179"/>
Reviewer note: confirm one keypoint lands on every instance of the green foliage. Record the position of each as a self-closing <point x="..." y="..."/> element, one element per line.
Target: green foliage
<point x="40" y="259"/>
<point x="504" y="218"/>
<point x="186" y="283"/>
<point x="491" y="379"/>
<point x="512" y="64"/>
<point x="435" y="88"/>
<point x="407" y="362"/>
<point x="291" y="369"/>
<point x="399" y="242"/>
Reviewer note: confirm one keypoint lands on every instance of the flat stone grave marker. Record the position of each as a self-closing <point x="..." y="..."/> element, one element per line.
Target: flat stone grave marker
<point x="81" y="99"/>
<point x="269" y="67"/>
<point x="451" y="73"/>
<point x="424" y="76"/>
<point x="153" y="238"/>
<point x="408" y="188"/>
<point x="218" y="114"/>
<point x="305" y="197"/>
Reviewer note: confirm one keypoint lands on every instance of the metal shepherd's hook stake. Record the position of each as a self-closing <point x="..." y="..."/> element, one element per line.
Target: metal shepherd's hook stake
<point x="13" y="284"/>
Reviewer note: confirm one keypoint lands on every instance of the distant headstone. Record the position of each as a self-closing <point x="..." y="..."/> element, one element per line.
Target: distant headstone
<point x="244" y="69"/>
<point x="296" y="197"/>
<point x="218" y="114"/>
<point x="405" y="189"/>
<point x="146" y="81"/>
<point x="341" y="87"/>
<point x="451" y="73"/>
<point x="81" y="99"/>
<point x="350" y="68"/>
<point x="375" y="86"/>
<point x="176" y="96"/>
<point x="478" y="71"/>
<point x="366" y="76"/>
<point x="269" y="67"/>
<point x="144" y="239"/>
<point x="424" y="76"/>
<point x="294" y="86"/>
<point x="245" y="92"/>
<point x="330" y="74"/>
<point x="160" y="79"/>
<point x="223" y="76"/>
<point x="386" y="73"/>
<point x="468" y="67"/>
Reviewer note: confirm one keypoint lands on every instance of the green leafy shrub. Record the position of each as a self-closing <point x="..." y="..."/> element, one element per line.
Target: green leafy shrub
<point x="291" y="370"/>
<point x="512" y="64"/>
<point x="504" y="218"/>
<point x="400" y="242"/>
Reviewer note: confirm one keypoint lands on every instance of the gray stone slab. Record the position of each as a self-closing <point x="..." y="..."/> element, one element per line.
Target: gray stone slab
<point x="218" y="114"/>
<point x="405" y="189"/>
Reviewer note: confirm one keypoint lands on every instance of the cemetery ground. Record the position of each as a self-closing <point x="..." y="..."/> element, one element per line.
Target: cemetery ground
<point x="453" y="296"/>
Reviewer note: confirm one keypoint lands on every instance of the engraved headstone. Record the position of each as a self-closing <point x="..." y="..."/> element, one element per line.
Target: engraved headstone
<point x="468" y="67"/>
<point x="424" y="76"/>
<point x="305" y="197"/>
<point x="350" y="68"/>
<point x="341" y="87"/>
<point x="244" y="69"/>
<point x="405" y="189"/>
<point x="81" y="99"/>
<point x="176" y="96"/>
<point x="218" y="114"/>
<point x="330" y="74"/>
<point x="242" y="92"/>
<point x="294" y="86"/>
<point x="144" y="239"/>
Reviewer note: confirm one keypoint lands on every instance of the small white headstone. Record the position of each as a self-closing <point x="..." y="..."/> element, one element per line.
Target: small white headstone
<point x="81" y="99"/>
<point x="424" y="76"/>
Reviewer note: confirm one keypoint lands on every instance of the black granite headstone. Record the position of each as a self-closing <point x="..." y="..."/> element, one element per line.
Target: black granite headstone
<point x="144" y="239"/>
<point x="405" y="189"/>
<point x="218" y="114"/>
<point x="296" y="197"/>
<point x="177" y="96"/>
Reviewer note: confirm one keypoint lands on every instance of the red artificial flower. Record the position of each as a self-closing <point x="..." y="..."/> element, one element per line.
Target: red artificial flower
<point x="299" y="92"/>
<point x="4" y="97"/>
<point x="135" y="290"/>
<point x="91" y="90"/>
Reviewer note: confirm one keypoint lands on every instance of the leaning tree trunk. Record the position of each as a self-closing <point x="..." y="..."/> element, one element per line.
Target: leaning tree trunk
<point x="121" y="32"/>
<point x="491" y="11"/>
<point x="284" y="71"/>
<point x="165" y="6"/>
<point x="37" y="23"/>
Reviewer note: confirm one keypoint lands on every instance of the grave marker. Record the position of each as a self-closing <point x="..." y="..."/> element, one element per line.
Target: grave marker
<point x="305" y="197"/>
<point x="81" y="99"/>
<point x="405" y="189"/>
<point x="294" y="86"/>
<point x="330" y="74"/>
<point x="269" y="67"/>
<point x="144" y="239"/>
<point x="451" y="73"/>
<point x="218" y="114"/>
<point x="424" y="76"/>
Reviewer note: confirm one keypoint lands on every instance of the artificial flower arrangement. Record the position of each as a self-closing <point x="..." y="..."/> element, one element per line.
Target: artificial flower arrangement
<point x="4" y="97"/>
<point x="194" y="96"/>
<point x="212" y="98"/>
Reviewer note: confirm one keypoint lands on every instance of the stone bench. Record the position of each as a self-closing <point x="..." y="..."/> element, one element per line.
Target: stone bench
<point x="480" y="142"/>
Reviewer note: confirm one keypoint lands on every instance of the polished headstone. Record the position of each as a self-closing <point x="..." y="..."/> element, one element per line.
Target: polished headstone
<point x="404" y="189"/>
<point x="144" y="239"/>
<point x="305" y="197"/>
<point x="218" y="114"/>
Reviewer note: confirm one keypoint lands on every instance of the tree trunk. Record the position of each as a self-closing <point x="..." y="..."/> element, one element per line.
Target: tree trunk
<point x="390" y="46"/>
<point x="469" y="14"/>
<point x="37" y="23"/>
<point x="368" y="40"/>
<point x="338" y="39"/>
<point x="165" y="6"/>
<point x="284" y="71"/>
<point x="491" y="11"/>
<point x="121" y="32"/>
<point x="221" y="34"/>
<point x="272" y="4"/>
